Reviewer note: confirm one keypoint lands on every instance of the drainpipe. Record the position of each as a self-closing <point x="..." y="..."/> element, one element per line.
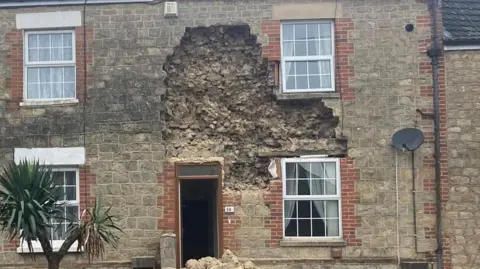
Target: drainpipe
<point x="434" y="54"/>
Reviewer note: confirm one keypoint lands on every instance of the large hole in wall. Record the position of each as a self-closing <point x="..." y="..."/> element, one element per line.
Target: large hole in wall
<point x="219" y="104"/>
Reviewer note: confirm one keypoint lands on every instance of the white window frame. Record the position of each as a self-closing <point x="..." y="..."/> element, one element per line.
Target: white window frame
<point x="56" y="244"/>
<point x="337" y="197"/>
<point x="68" y="63"/>
<point x="285" y="59"/>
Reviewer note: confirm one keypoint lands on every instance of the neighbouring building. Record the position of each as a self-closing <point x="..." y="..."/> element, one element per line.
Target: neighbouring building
<point x="462" y="58"/>
<point x="261" y="126"/>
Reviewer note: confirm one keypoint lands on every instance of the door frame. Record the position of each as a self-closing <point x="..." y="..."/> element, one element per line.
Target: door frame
<point x="178" y="215"/>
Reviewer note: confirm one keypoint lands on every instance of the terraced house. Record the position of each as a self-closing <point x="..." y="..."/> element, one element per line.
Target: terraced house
<point x="260" y="126"/>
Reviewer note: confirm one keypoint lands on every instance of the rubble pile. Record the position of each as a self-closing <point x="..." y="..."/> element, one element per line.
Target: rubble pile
<point x="228" y="261"/>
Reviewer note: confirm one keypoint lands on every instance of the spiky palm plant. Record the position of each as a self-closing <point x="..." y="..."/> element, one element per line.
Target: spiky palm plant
<point x="29" y="199"/>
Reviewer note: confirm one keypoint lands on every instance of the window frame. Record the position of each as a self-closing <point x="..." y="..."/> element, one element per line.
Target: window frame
<point x="66" y="63"/>
<point x="56" y="244"/>
<point x="284" y="59"/>
<point x="337" y="197"/>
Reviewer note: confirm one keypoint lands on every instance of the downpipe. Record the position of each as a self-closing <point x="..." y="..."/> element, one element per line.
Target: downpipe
<point x="434" y="53"/>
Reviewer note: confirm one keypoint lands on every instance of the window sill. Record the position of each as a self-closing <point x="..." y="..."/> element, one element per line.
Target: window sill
<point x="307" y="95"/>
<point x="38" y="249"/>
<point x="48" y="103"/>
<point x="312" y="243"/>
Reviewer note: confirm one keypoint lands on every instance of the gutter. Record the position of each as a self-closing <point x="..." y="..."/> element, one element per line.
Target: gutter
<point x="68" y="2"/>
<point x="434" y="54"/>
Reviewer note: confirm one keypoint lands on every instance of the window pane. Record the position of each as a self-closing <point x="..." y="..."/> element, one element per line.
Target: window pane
<point x="314" y="82"/>
<point x="326" y="82"/>
<point x="318" y="209"/>
<point x="44" y="41"/>
<point x="57" y="54"/>
<point x="32" y="41"/>
<point x="290" y="68"/>
<point x="70" y="193"/>
<point x="287" y="32"/>
<point x="303" y="187"/>
<point x="304" y="227"/>
<point x="32" y="75"/>
<point x="332" y="209"/>
<point x="290" y="209"/>
<point x="69" y="90"/>
<point x="304" y="210"/>
<point x="326" y="47"/>
<point x="317" y="170"/>
<point x="32" y="91"/>
<point x="318" y="227"/>
<point x="69" y="74"/>
<point x="288" y="48"/>
<point x="58" y="178"/>
<point x="57" y="75"/>
<point x="317" y="187"/>
<point x="67" y="54"/>
<point x="57" y="40"/>
<point x="325" y="67"/>
<point x="313" y="48"/>
<point x="325" y="30"/>
<point x="330" y="186"/>
<point x="291" y="227"/>
<point x="300" y="48"/>
<point x="330" y="170"/>
<point x="33" y="55"/>
<point x="290" y="83"/>
<point x="57" y="90"/>
<point x="72" y="212"/>
<point x="300" y="31"/>
<point x="312" y="31"/>
<point x="301" y="68"/>
<point x="67" y="40"/>
<point x="303" y="170"/>
<point x="302" y="82"/>
<point x="44" y="54"/>
<point x="332" y="227"/>
<point x="71" y="178"/>
<point x="291" y="186"/>
<point x="313" y="67"/>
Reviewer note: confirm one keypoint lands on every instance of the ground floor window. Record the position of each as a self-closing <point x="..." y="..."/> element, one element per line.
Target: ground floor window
<point x="311" y="197"/>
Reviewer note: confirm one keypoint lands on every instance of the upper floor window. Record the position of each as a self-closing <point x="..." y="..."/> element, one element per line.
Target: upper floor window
<point x="49" y="58"/>
<point x="311" y="198"/>
<point x="307" y="56"/>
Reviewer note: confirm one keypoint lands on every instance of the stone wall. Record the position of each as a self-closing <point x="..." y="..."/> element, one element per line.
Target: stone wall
<point x="461" y="217"/>
<point x="132" y="124"/>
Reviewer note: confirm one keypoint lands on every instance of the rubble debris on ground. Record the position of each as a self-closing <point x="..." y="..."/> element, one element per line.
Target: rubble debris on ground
<point x="228" y="261"/>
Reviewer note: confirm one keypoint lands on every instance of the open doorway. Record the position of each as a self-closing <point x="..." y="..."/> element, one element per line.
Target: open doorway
<point x="199" y="214"/>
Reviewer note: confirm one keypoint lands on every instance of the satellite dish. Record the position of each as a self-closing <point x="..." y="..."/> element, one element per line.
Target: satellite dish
<point x="408" y="138"/>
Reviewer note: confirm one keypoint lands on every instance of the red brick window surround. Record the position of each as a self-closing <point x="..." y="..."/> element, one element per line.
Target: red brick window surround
<point x="342" y="49"/>
<point x="70" y="85"/>
<point x="348" y="175"/>
<point x="311" y="198"/>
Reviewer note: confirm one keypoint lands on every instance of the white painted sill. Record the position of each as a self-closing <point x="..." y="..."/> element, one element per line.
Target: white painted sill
<point x="31" y="103"/>
<point x="37" y="248"/>
<point x="312" y="243"/>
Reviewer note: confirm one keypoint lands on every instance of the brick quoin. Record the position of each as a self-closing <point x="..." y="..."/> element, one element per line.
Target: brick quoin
<point x="344" y="71"/>
<point x="87" y="179"/>
<point x="14" y="39"/>
<point x="350" y="222"/>
<point x="166" y="200"/>
<point x="428" y="161"/>
<point x="231" y="223"/>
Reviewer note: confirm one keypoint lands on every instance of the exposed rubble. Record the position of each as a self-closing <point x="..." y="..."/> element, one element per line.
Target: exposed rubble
<point x="219" y="103"/>
<point x="228" y="261"/>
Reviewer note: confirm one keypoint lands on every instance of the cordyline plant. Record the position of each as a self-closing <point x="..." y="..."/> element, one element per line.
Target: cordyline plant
<point x="29" y="200"/>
